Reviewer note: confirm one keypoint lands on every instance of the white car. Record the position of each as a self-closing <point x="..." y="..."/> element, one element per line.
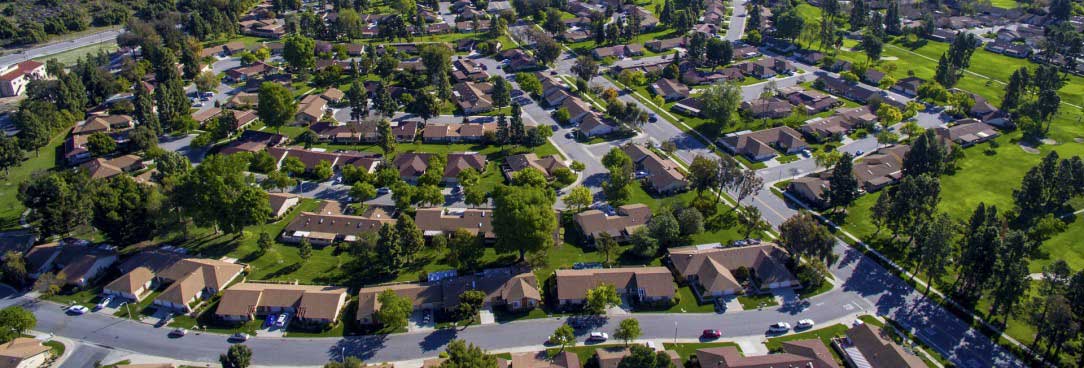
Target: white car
<point x="281" y="321"/>
<point x="239" y="337"/>
<point x="598" y="336"/>
<point x="779" y="327"/>
<point x="178" y="332"/>
<point x="77" y="309"/>
<point x="104" y="302"/>
<point x="805" y="323"/>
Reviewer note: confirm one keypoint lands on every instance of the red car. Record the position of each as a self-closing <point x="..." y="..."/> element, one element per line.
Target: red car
<point x="711" y="334"/>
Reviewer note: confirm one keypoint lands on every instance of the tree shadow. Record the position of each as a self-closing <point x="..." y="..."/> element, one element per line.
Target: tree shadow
<point x="362" y="347"/>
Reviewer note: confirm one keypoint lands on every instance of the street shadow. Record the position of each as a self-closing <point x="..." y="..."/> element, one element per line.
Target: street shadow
<point x="595" y="180"/>
<point x="438" y="339"/>
<point x="362" y="347"/>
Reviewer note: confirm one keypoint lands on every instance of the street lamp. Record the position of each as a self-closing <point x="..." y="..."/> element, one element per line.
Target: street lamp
<point x="675" y="332"/>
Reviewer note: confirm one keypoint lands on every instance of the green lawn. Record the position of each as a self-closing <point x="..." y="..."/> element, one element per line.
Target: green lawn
<point x="70" y="57"/>
<point x="43" y="159"/>
<point x="750" y="302"/>
<point x="141" y="308"/>
<point x="55" y="347"/>
<point x="1005" y="4"/>
<point x="685" y="350"/>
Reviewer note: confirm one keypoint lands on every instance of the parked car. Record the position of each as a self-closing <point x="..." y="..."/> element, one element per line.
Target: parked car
<point x="77" y="309"/>
<point x="779" y="327"/>
<point x="711" y="334"/>
<point x="859" y="153"/>
<point x="383" y="190"/>
<point x="178" y="332"/>
<point x="598" y="336"/>
<point x="270" y="320"/>
<point x="652" y="118"/>
<point x="804" y="324"/>
<point x="281" y="321"/>
<point x="570" y="135"/>
<point x="239" y="337"/>
<point x="104" y="302"/>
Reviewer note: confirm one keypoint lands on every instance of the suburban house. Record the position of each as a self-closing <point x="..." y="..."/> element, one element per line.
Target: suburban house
<point x="310" y="304"/>
<point x="665" y="44"/>
<point x="540" y="359"/>
<point x="311" y="158"/>
<point x="243" y="118"/>
<point x="438" y="220"/>
<point x="468" y="70"/>
<point x="412" y="165"/>
<point x="457" y="132"/>
<point x="194" y="279"/>
<point x="690" y="106"/>
<point x="989" y="114"/>
<point x="809" y="353"/>
<point x="663" y="174"/>
<point x="841" y="87"/>
<point x="908" y="86"/>
<point x="138" y="272"/>
<point x="203" y="116"/>
<point x="767" y="67"/>
<point x="594" y="125"/>
<point x="405" y="131"/>
<point x="14" y="78"/>
<point x="810" y="189"/>
<point x="670" y="89"/>
<point x="245" y="72"/>
<point x="767" y="108"/>
<point x="547" y="165"/>
<point x="24" y="352"/>
<point x="473" y="97"/>
<point x="611" y="357"/>
<point x="311" y="109"/>
<point x="968" y="132"/>
<point x="329" y="224"/>
<point x="845" y="120"/>
<point x="761" y="145"/>
<point x="812" y="101"/>
<point x="881" y="168"/>
<point x="712" y="269"/>
<point x="620" y="224"/>
<point x="101" y="168"/>
<point x="641" y="284"/>
<point x="281" y="203"/>
<point x="873" y="76"/>
<point x="253" y="141"/>
<point x="618" y="51"/>
<point x="117" y="126"/>
<point x="502" y="286"/>
<point x="873" y="346"/>
<point x="80" y="262"/>
<point x="577" y="109"/>
<point x="354" y="132"/>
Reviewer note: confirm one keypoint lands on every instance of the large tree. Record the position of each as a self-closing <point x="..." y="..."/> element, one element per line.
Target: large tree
<point x="57" y="200"/>
<point x="803" y="236"/>
<point x="641" y="356"/>
<point x="300" y="52"/>
<point x="463" y="355"/>
<point x="277" y="105"/>
<point x="125" y="211"/>
<point x="600" y="298"/>
<point x="394" y="310"/>
<point x="843" y="187"/>
<point x="238" y="356"/>
<point x="628" y="330"/>
<point x="523" y="219"/>
<point x="932" y="247"/>
<point x="720" y="101"/>
<point x="217" y="193"/>
<point x="15" y="322"/>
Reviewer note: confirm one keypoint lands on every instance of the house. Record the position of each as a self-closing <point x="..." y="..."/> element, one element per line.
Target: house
<point x="246" y="72"/>
<point x="311" y="109"/>
<point x="812" y="101"/>
<point x="881" y="168"/>
<point x="253" y="141"/>
<point x="518" y="60"/>
<point x="618" y="51"/>
<point x="104" y="124"/>
<point x="204" y="115"/>
<point x="468" y="70"/>
<point x="663" y="174"/>
<point x="329" y="225"/>
<point x="366" y="131"/>
<point x="193" y="279"/>
<point x="670" y="89"/>
<point x="873" y="76"/>
<point x="14" y="78"/>
<point x="942" y="35"/>
<point x="503" y="287"/>
<point x="908" y="86"/>
<point x="853" y="91"/>
<point x="665" y="44"/>
<point x="311" y="158"/>
<point x="767" y="67"/>
<point x="281" y="203"/>
<point x="133" y="285"/>
<point x="713" y="269"/>
<point x="742" y="52"/>
<point x="799" y="353"/>
<point x="547" y="165"/>
<point x="456" y="132"/>
<point x="811" y="189"/>
<point x="309" y="304"/>
<point x="640" y="284"/>
<point x="24" y="352"/>
<point x="577" y="109"/>
<point x="690" y="106"/>
<point x="594" y="125"/>
<point x="845" y="120"/>
<point x="769" y="108"/>
<point x="620" y="223"/>
<point x="611" y="357"/>
<point x="101" y="168"/>
<point x="473" y="97"/>
<point x="412" y="165"/>
<point x="405" y="131"/>
<point x="968" y="132"/>
<point x="333" y="95"/>
<point x="987" y="113"/>
<point x="540" y="359"/>
<point x="761" y="145"/>
<point x="436" y="221"/>
<point x="872" y="345"/>
<point x="80" y="262"/>
<point x="810" y="57"/>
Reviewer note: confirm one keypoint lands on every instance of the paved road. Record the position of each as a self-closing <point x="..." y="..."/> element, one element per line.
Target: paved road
<point x="85" y="355"/>
<point x="59" y="47"/>
<point x="737" y="21"/>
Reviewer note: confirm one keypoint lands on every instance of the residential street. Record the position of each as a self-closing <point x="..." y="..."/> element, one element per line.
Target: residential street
<point x="59" y="47"/>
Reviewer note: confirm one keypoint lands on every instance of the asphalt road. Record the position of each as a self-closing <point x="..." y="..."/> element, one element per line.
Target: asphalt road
<point x="59" y="47"/>
<point x="737" y="21"/>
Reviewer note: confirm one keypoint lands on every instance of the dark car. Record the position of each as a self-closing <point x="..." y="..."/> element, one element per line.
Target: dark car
<point x="653" y="118"/>
<point x="711" y="334"/>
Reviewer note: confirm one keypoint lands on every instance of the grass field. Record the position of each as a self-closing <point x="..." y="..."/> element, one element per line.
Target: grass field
<point x="43" y="159"/>
<point x="71" y="56"/>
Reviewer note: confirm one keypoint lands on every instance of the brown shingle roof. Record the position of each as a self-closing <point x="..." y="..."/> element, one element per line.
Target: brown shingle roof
<point x="20" y="349"/>
<point x="131" y="282"/>
<point x="310" y="301"/>
<point x="716" y="263"/>
<point x="627" y="219"/>
<point x="655" y="281"/>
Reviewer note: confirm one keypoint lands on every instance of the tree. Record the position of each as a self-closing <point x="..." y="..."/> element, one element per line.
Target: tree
<point x="750" y="222"/>
<point x="843" y="187"/>
<point x="643" y="245"/>
<point x="665" y="228"/>
<point x="932" y="247"/>
<point x="546" y="49"/>
<point x="720" y="101"/>
<point x="523" y="219"/>
<point x="126" y="211"/>
<point x="529" y="83"/>
<point x="618" y="188"/>
<point x="644" y="357"/>
<point x="465" y="250"/>
<point x="394" y="310"/>
<point x="304" y="250"/>
<point x="628" y="330"/>
<point x="502" y="92"/>
<point x="1013" y="278"/>
<point x="789" y="24"/>
<point x="15" y="322"/>
<point x="892" y="18"/>
<point x="14" y="268"/>
<point x="703" y="174"/>
<point x="564" y="336"/>
<point x="277" y="106"/>
<point x="927" y="155"/>
<point x="578" y="198"/>
<point x="470" y="302"/>
<point x="358" y="98"/>
<point x="802" y="236"/>
<point x="264" y="243"/>
<point x="238" y="356"/>
<point x="889" y="115"/>
<point x="387" y="138"/>
<point x="57" y="200"/>
<point x="946" y="73"/>
<point x="322" y="171"/>
<point x="300" y="52"/>
<point x="218" y="194"/>
<point x="872" y="46"/>
<point x="410" y="237"/>
<point x="979" y="249"/>
<point x="585" y="67"/>
<point x="691" y="221"/>
<point x="530" y="177"/>
<point x="362" y="191"/>
<point x="207" y="81"/>
<point x="600" y="298"/>
<point x="101" y="144"/>
<point x="464" y="355"/>
<point x="609" y="248"/>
